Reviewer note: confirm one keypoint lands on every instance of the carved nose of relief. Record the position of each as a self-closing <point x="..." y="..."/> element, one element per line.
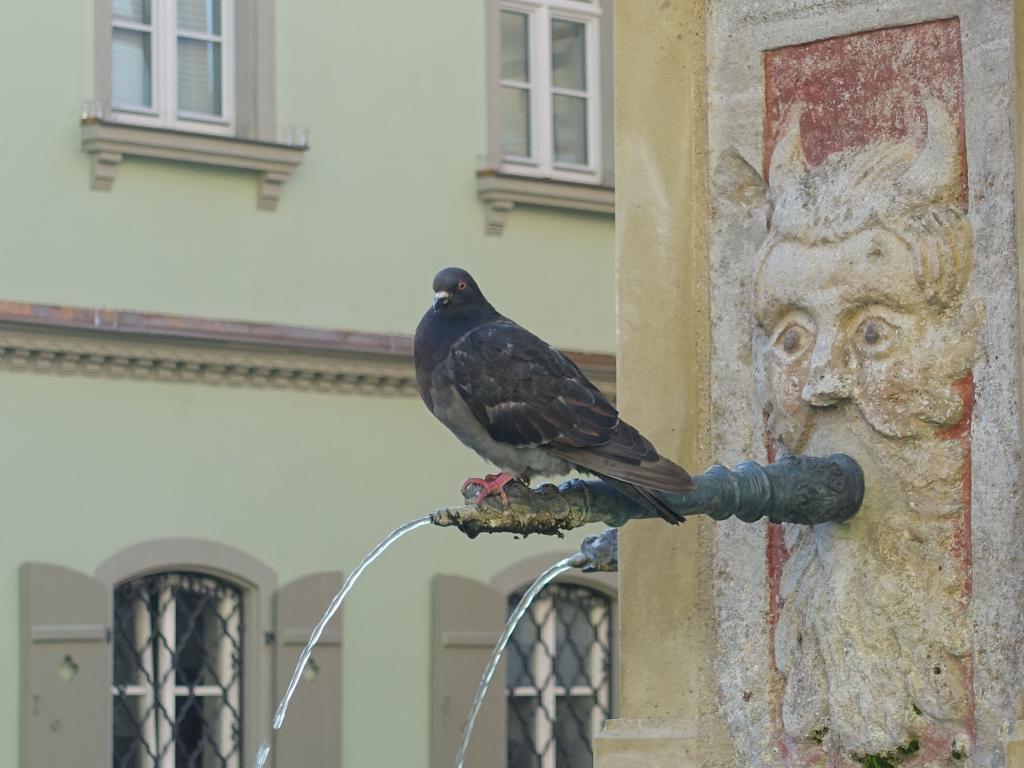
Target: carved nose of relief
<point x="827" y="381"/>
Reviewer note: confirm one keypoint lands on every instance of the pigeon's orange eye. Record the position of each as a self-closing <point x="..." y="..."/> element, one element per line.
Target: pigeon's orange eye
<point x="462" y="285"/>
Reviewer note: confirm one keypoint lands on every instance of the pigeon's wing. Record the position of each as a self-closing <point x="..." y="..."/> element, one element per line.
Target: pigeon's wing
<point x="526" y="393"/>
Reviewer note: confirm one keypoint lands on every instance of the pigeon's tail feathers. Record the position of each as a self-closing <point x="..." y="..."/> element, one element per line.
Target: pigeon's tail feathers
<point x="628" y="456"/>
<point x="647" y="497"/>
<point x="657" y="474"/>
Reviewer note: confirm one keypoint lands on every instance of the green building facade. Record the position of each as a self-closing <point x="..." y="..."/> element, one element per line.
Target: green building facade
<point x="135" y="412"/>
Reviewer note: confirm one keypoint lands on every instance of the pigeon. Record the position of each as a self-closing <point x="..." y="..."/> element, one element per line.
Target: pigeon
<point x="525" y="407"/>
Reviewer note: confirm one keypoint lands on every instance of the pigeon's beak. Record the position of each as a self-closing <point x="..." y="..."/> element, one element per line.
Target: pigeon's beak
<point x="440" y="299"/>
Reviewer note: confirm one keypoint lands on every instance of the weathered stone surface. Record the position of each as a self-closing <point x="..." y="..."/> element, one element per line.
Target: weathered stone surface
<point x="861" y="301"/>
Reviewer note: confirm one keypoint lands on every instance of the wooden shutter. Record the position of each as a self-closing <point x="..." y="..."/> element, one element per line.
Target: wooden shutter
<point x="311" y="735"/>
<point x="468" y="619"/>
<point x="66" y="675"/>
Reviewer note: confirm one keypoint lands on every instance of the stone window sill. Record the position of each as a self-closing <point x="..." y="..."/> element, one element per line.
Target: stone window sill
<point x="108" y="143"/>
<point x="501" y="192"/>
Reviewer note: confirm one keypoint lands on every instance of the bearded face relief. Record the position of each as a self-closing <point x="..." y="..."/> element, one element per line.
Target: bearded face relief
<point x="864" y="343"/>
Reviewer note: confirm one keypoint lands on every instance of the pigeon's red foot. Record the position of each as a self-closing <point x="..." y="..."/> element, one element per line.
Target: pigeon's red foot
<point x="489" y="485"/>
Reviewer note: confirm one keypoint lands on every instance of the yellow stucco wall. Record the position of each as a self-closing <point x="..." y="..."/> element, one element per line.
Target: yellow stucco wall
<point x="662" y="284"/>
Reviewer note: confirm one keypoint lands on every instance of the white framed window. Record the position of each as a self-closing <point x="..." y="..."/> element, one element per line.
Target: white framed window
<point x="172" y="64"/>
<point x="550" y="89"/>
<point x="559" y="677"/>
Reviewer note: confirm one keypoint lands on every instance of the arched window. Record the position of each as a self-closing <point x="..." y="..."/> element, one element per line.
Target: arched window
<point x="178" y="663"/>
<point x="178" y="649"/>
<point x="559" y="677"/>
<point x="558" y="672"/>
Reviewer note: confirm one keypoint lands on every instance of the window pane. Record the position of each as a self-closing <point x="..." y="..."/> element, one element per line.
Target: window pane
<point x="132" y="10"/>
<point x="222" y="737"/>
<point x="572" y="732"/>
<point x="570" y="125"/>
<point x="131" y="59"/>
<point x="520" y="654"/>
<point x="133" y="642"/>
<point x="199" y="77"/>
<point x="191" y="622"/>
<point x="568" y="54"/>
<point x="515" y="47"/>
<point x="575" y="636"/>
<point x="554" y="727"/>
<point x="129" y="750"/>
<point x="521" y="713"/>
<point x="199" y="16"/>
<point x="515" y="122"/>
<point x="206" y="651"/>
<point x="203" y="732"/>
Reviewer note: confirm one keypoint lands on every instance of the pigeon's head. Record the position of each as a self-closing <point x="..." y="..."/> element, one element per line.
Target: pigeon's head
<point x="455" y="288"/>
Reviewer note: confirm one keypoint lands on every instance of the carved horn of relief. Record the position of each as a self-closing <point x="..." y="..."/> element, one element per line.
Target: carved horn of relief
<point x="936" y="175"/>
<point x="788" y="165"/>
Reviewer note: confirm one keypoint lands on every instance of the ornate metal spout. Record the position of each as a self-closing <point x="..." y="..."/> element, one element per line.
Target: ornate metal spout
<point x="796" y="489"/>
<point x="599" y="553"/>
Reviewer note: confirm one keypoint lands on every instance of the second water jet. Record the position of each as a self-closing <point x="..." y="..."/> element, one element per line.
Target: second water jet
<point x="332" y="609"/>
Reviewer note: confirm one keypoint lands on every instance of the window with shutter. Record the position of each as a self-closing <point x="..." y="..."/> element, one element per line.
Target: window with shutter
<point x="558" y="673"/>
<point x="170" y="651"/>
<point x="223" y="640"/>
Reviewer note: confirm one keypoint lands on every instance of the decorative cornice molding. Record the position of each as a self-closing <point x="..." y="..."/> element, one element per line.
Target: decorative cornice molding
<point x="136" y="345"/>
<point x="502" y="192"/>
<point x="108" y="143"/>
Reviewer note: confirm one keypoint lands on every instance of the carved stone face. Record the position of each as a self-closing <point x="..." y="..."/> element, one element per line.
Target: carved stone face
<point x="848" y="321"/>
<point x="863" y="343"/>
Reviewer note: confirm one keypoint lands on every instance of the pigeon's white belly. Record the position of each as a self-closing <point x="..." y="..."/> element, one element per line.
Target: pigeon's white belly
<point x="452" y="411"/>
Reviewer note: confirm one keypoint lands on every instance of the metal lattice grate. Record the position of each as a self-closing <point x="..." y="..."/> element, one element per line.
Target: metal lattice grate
<point x="177" y="672"/>
<point x="559" y="678"/>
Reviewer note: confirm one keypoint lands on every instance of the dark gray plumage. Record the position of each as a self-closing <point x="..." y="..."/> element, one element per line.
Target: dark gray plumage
<point x="524" y="406"/>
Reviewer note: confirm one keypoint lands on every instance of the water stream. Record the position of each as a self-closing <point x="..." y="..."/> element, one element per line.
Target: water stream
<point x="542" y="581"/>
<point x="318" y="630"/>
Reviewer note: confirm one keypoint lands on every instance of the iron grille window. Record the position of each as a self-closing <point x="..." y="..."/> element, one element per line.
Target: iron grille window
<point x="559" y="678"/>
<point x="177" y="672"/>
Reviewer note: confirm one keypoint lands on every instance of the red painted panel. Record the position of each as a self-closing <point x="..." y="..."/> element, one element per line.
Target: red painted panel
<point x="865" y="87"/>
<point x="853" y="91"/>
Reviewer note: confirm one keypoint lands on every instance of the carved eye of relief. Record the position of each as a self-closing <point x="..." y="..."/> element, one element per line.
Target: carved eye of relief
<point x="875" y="335"/>
<point x="793" y="340"/>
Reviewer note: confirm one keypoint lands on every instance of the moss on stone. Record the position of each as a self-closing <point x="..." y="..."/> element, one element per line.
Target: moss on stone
<point x="892" y="758"/>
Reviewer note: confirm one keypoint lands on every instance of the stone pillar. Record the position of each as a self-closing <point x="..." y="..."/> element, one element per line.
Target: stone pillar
<point x="818" y="252"/>
<point x="666" y="639"/>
